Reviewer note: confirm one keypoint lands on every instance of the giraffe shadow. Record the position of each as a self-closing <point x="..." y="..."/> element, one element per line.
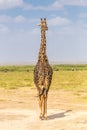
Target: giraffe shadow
<point x="58" y="115"/>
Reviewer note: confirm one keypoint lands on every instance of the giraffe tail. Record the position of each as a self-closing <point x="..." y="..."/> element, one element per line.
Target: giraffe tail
<point x="43" y="92"/>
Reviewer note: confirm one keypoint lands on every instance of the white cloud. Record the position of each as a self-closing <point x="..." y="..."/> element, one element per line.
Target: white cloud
<point x="3" y="29"/>
<point x="74" y="2"/>
<point x="19" y="19"/>
<point x="7" y="4"/>
<point x="59" y="21"/>
<point x="5" y="19"/>
<point x="9" y="19"/>
<point x="83" y="15"/>
<point x="55" y="6"/>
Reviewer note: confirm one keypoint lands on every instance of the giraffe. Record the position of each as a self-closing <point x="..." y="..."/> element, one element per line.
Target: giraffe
<point x="43" y="72"/>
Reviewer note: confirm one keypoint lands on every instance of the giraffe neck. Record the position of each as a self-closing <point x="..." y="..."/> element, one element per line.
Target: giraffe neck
<point x="42" y="52"/>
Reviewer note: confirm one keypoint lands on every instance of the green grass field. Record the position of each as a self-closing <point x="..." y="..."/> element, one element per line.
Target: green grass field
<point x="66" y="77"/>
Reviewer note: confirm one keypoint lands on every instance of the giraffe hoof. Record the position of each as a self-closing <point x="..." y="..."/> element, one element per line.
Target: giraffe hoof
<point x="41" y="117"/>
<point x="45" y="118"/>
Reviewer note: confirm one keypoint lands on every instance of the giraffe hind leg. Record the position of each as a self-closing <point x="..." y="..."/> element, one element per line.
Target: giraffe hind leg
<point x="42" y="91"/>
<point x="45" y="107"/>
<point x="43" y="103"/>
<point x="40" y="106"/>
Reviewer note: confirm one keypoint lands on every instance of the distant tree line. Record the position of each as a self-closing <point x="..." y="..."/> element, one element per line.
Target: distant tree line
<point x="27" y="68"/>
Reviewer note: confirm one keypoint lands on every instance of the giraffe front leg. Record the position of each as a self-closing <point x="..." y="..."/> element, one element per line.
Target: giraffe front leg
<point x="45" y="108"/>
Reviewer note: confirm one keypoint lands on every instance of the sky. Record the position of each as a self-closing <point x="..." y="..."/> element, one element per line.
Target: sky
<point x="20" y="34"/>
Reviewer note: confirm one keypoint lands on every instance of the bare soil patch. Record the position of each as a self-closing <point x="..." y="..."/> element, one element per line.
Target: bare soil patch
<point x="19" y="111"/>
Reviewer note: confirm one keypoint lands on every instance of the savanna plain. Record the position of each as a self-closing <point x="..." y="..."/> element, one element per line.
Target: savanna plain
<point x="67" y="99"/>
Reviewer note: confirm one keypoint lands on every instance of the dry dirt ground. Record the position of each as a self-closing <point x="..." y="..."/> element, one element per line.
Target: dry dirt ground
<point x="19" y="111"/>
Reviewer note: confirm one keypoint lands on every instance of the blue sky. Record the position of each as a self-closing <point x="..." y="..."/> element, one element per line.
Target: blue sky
<point x="20" y="35"/>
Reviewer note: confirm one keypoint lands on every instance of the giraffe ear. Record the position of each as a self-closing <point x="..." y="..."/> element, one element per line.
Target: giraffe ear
<point x="38" y="24"/>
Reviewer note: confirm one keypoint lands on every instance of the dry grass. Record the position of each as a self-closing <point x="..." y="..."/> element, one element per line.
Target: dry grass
<point x="16" y="79"/>
<point x="70" y="80"/>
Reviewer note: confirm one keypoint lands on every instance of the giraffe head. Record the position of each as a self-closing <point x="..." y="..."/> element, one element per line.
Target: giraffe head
<point x="43" y="25"/>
